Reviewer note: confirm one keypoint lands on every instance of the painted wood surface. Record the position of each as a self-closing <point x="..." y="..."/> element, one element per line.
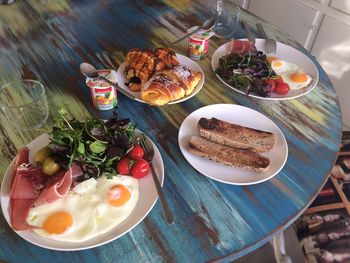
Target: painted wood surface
<point x="47" y="40"/>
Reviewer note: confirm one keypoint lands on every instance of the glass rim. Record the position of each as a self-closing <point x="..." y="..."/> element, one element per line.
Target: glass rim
<point x="42" y="93"/>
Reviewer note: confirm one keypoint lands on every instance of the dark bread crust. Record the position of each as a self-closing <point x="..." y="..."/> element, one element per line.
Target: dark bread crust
<point x="235" y="135"/>
<point x="228" y="155"/>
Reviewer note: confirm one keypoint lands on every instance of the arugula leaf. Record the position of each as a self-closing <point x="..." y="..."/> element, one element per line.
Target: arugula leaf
<point x="97" y="147"/>
<point x="61" y="118"/>
<point x="62" y="138"/>
<point x="81" y="148"/>
<point x="112" y="160"/>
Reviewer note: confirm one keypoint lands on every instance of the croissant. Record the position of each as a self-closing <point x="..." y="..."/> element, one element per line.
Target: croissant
<point x="141" y="65"/>
<point x="170" y="85"/>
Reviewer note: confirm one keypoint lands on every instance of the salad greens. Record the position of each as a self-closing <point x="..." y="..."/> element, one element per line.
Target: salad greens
<point x="247" y="72"/>
<point x="94" y="145"/>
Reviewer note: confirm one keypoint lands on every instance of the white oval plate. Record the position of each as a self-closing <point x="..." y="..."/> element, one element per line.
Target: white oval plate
<point x="121" y="80"/>
<point x="147" y="198"/>
<point x="284" y="52"/>
<point x="242" y="116"/>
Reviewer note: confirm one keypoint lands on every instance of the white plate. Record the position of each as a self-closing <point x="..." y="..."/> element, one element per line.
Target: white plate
<point x="121" y="80"/>
<point x="242" y="116"/>
<point x="284" y="52"/>
<point x="147" y="198"/>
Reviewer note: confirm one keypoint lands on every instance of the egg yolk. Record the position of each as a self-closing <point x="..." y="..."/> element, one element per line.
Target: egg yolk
<point x="118" y="195"/>
<point x="299" y="77"/>
<point x="270" y="59"/>
<point x="58" y="222"/>
<point x="277" y="63"/>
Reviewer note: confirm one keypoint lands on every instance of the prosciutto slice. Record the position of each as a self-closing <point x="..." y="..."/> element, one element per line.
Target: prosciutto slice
<point x="57" y="187"/>
<point x="77" y="174"/>
<point x="19" y="209"/>
<point x="27" y="183"/>
<point x="241" y="46"/>
<point x="24" y="190"/>
<point x="22" y="157"/>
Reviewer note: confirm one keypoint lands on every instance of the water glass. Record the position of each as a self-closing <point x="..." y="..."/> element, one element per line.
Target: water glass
<point x="24" y="103"/>
<point x="226" y="18"/>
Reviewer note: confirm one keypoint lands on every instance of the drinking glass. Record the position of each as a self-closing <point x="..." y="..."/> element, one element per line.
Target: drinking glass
<point x="226" y="18"/>
<point x="24" y="103"/>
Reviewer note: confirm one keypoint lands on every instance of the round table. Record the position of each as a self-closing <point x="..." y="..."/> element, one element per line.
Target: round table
<point x="213" y="221"/>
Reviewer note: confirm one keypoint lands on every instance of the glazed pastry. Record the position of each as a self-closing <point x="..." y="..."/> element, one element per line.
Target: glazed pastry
<point x="166" y="56"/>
<point x="170" y="85"/>
<point x="141" y="65"/>
<point x="188" y="76"/>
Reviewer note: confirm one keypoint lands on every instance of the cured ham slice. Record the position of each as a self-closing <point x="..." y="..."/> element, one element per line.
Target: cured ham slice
<point x="27" y="183"/>
<point x="19" y="212"/>
<point x="241" y="46"/>
<point x="25" y="189"/>
<point x="57" y="186"/>
<point x="22" y="157"/>
<point x="77" y="174"/>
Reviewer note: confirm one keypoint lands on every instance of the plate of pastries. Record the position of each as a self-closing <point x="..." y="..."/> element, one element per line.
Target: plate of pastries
<point x="159" y="76"/>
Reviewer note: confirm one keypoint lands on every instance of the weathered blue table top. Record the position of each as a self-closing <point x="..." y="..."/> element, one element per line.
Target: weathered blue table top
<point x="47" y="40"/>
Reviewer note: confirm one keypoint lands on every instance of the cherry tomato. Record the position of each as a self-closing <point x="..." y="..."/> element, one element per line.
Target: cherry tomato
<point x="272" y="83"/>
<point x="140" y="169"/>
<point x="282" y="88"/>
<point x="136" y="152"/>
<point x="124" y="165"/>
<point x="279" y="80"/>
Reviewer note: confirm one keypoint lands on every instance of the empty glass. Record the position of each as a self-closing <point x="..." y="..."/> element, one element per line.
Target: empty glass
<point x="226" y="18"/>
<point x="24" y="103"/>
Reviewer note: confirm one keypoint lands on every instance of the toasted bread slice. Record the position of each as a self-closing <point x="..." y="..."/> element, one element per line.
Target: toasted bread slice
<point x="235" y="135"/>
<point x="228" y="155"/>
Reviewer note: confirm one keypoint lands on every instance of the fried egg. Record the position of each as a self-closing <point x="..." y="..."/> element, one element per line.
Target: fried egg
<point x="291" y="73"/>
<point x="296" y="79"/>
<point x="280" y="66"/>
<point x="91" y="208"/>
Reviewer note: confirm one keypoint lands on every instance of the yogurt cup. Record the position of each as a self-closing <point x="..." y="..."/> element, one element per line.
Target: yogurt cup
<point x="103" y="94"/>
<point x="198" y="43"/>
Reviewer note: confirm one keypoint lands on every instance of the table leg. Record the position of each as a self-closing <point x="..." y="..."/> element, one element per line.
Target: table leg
<point x="279" y="249"/>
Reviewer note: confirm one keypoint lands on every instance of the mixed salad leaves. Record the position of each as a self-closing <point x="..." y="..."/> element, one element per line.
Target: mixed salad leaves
<point x="247" y="72"/>
<point x="96" y="146"/>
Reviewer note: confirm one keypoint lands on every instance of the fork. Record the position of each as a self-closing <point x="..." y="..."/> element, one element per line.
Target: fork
<point x="251" y="37"/>
<point x="149" y="153"/>
<point x="270" y="43"/>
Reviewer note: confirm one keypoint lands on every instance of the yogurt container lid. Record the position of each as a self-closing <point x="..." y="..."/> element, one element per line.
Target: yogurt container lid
<point x="110" y="74"/>
<point x="201" y="34"/>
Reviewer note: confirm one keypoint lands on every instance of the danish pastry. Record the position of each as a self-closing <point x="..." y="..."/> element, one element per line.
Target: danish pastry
<point x="170" y="85"/>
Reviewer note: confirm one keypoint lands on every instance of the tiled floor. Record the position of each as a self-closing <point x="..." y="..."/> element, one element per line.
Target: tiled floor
<point x="265" y="254"/>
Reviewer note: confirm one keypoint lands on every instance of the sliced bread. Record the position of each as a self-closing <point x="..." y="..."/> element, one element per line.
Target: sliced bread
<point x="228" y="155"/>
<point x="235" y="135"/>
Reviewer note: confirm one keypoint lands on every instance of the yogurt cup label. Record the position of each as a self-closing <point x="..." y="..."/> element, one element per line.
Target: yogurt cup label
<point x="104" y="95"/>
<point x="198" y="43"/>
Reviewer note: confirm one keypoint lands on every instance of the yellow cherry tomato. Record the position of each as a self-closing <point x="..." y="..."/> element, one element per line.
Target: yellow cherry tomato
<point x="42" y="155"/>
<point x="50" y="167"/>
